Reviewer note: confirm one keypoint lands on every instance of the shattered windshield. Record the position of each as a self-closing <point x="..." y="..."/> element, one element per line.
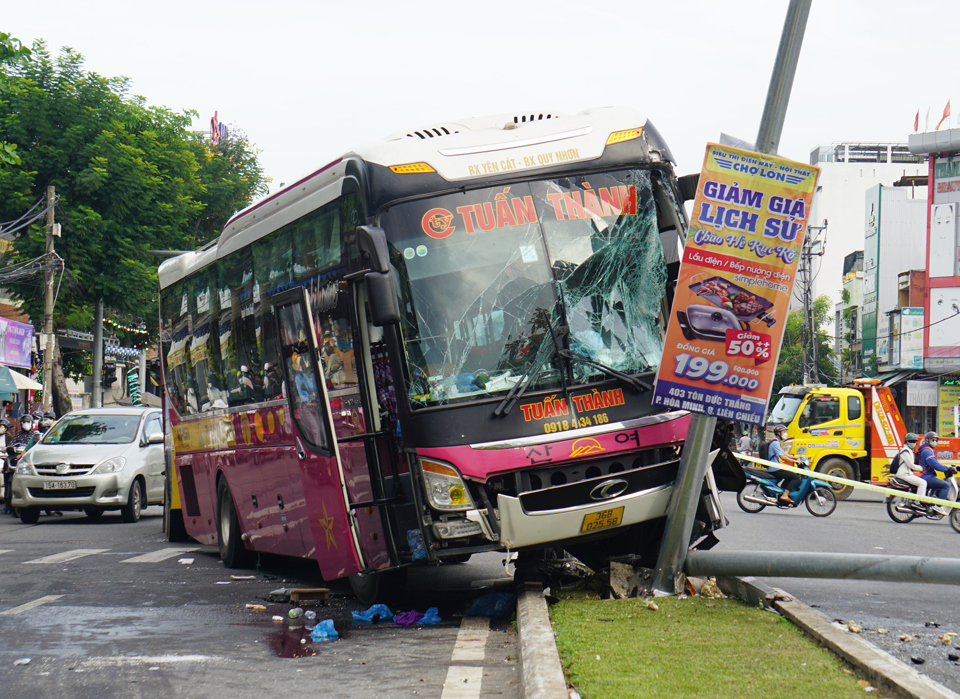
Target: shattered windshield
<point x="494" y="283"/>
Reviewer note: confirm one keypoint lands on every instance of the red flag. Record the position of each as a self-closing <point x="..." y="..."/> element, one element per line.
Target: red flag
<point x="946" y="113"/>
<point x="916" y="122"/>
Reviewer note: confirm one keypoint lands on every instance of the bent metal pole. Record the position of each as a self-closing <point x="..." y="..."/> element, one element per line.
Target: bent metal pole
<point x="696" y="449"/>
<point x="844" y="566"/>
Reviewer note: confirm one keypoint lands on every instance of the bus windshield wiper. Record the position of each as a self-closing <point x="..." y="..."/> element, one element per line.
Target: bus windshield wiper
<point x="637" y="384"/>
<point x="527" y="377"/>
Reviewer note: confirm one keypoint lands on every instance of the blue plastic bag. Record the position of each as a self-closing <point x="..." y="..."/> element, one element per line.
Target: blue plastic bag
<point x="415" y="542"/>
<point x="381" y="611"/>
<point x="324" y="631"/>
<point x="430" y="617"/>
<point x="493" y="604"/>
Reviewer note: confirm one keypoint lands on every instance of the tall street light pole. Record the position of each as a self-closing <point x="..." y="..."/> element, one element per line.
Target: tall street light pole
<point x="694" y="460"/>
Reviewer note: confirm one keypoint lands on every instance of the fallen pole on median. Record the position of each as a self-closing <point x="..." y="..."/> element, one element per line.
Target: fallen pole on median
<point x="850" y="566"/>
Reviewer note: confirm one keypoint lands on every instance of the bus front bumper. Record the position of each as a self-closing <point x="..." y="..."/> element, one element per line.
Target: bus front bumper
<point x="521" y="529"/>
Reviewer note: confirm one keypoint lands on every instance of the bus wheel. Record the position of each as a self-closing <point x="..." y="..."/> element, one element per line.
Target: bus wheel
<point x="232" y="552"/>
<point x="840" y="469"/>
<point x="378" y="587"/>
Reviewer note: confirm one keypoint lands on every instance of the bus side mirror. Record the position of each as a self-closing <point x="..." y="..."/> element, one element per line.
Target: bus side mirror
<point x="382" y="294"/>
<point x="371" y="249"/>
<point x="688" y="186"/>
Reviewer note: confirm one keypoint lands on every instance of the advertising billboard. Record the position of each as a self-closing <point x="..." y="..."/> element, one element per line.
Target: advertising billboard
<point x="736" y="277"/>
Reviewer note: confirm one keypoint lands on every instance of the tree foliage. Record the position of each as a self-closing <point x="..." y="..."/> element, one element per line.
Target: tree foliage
<point x="790" y="366"/>
<point x="129" y="178"/>
<point x="11" y="51"/>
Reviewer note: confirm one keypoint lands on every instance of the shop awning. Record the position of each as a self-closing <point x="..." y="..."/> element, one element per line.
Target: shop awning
<point x="893" y="379"/>
<point x="12" y="381"/>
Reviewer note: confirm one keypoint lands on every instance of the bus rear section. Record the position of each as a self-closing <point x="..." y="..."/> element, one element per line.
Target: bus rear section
<point x="460" y="331"/>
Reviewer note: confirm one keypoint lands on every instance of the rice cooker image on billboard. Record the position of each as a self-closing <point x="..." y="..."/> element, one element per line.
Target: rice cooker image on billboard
<point x="733" y="308"/>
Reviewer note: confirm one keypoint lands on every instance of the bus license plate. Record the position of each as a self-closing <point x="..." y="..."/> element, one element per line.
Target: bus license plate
<point x="602" y="520"/>
<point x="59" y="485"/>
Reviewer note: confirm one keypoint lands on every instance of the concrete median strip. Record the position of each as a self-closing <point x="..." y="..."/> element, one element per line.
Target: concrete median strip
<point x="541" y="674"/>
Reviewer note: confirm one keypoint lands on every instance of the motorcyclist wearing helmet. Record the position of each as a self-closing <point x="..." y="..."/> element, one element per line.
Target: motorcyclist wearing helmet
<point x="45" y="421"/>
<point x="936" y="487"/>
<point x="777" y="454"/>
<point x="908" y="470"/>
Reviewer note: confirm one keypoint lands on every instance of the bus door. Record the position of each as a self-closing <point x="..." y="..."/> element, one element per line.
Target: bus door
<point x="345" y="520"/>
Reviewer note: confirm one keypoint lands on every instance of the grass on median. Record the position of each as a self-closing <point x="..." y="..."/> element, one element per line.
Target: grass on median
<point x="693" y="647"/>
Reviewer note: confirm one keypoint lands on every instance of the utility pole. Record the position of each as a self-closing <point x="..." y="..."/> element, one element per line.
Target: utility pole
<point x="98" y="357"/>
<point x="694" y="460"/>
<point x="48" y="305"/>
<point x="813" y="246"/>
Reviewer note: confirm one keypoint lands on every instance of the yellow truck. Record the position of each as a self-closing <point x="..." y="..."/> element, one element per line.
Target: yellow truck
<point x="852" y="431"/>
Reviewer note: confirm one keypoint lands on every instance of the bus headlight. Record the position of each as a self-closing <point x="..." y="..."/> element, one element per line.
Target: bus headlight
<point x="446" y="490"/>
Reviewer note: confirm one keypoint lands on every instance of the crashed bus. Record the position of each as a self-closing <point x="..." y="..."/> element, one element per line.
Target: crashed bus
<point x="437" y="345"/>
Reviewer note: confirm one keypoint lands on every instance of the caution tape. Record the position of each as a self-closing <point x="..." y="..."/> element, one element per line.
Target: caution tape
<point x="846" y="481"/>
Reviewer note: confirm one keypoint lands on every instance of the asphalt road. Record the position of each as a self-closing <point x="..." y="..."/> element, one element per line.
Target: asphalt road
<point x="925" y="612"/>
<point x="112" y="609"/>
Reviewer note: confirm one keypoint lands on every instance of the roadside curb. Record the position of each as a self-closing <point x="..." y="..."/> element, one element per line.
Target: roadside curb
<point x="878" y="665"/>
<point x="541" y="675"/>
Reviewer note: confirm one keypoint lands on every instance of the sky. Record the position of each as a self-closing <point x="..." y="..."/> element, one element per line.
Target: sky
<point x="309" y="81"/>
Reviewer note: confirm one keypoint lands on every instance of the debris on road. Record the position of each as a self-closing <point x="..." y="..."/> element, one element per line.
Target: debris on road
<point x="324" y="631"/>
<point x="185" y="561"/>
<point x="280" y="595"/>
<point x="22" y="661"/>
<point x="373" y="615"/>
<point x="853" y="626"/>
<point x="256" y="607"/>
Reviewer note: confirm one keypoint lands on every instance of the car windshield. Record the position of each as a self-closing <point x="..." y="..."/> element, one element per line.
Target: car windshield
<point x="785" y="409"/>
<point x="94" y="429"/>
<point x="496" y="281"/>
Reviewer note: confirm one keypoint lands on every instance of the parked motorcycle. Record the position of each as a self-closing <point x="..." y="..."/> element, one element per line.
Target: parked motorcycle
<point x="903" y="510"/>
<point x="762" y="491"/>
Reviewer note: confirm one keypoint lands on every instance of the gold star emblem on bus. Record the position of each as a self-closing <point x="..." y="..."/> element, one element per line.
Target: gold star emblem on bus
<point x="327" y="523"/>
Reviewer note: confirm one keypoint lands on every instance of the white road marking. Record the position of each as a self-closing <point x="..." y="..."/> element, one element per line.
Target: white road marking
<point x="31" y="605"/>
<point x="158" y="556"/>
<point x="65" y="556"/>
<point x="6" y="550"/>
<point x="462" y="683"/>
<point x="118" y="660"/>
<point x="471" y="639"/>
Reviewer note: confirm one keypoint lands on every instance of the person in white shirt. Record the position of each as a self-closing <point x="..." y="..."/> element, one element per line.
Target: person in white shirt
<point x="743" y="446"/>
<point x="909" y="471"/>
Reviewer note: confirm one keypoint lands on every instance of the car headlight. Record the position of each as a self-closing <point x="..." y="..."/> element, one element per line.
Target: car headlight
<point x="111" y="465"/>
<point x="24" y="468"/>
<point x="445" y="488"/>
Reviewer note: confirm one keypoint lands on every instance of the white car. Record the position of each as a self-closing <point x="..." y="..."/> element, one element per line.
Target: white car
<point x="94" y="460"/>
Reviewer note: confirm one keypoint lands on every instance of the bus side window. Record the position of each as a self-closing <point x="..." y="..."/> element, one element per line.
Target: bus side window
<point x="853" y="408"/>
<point x="241" y="361"/>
